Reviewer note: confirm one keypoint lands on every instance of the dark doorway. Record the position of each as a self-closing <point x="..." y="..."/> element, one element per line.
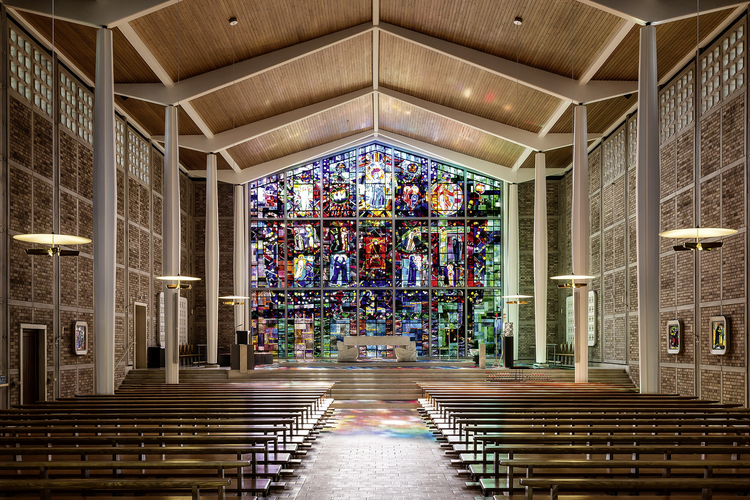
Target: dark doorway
<point x="30" y="367"/>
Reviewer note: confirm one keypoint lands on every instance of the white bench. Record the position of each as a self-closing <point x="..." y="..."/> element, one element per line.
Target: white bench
<point x="348" y="350"/>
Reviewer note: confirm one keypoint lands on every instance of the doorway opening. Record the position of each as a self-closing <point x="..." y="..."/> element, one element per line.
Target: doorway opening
<point x="33" y="363"/>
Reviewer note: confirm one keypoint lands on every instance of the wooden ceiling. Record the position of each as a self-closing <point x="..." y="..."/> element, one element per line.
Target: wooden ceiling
<point x="193" y="37"/>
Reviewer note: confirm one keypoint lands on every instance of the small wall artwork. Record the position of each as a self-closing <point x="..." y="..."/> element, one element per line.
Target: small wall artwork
<point x="674" y="337"/>
<point x="719" y="335"/>
<point x="80" y="337"/>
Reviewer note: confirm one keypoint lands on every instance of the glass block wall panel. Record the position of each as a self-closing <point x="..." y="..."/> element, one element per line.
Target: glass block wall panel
<point x="139" y="161"/>
<point x="339" y="253"/>
<point x="267" y="268"/>
<point x="375" y="181"/>
<point x="676" y="104"/>
<point x="411" y="184"/>
<point x="340" y="185"/>
<point x="413" y="318"/>
<point x="411" y="254"/>
<point x="733" y="60"/>
<point x="303" y="191"/>
<point x="303" y="254"/>
<point x="376" y="320"/>
<point x="339" y="319"/>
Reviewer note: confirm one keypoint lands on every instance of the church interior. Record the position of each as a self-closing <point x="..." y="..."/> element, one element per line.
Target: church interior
<point x="374" y="249"/>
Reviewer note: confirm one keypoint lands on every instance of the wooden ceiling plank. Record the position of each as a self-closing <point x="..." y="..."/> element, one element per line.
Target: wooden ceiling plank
<point x="200" y="85"/>
<point x="561" y="108"/>
<point x="239" y="135"/>
<point x="623" y="30"/>
<point x="94" y="14"/>
<point x="521" y="159"/>
<point x="499" y="130"/>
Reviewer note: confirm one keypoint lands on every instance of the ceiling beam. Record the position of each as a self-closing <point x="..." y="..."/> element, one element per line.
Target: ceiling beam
<point x="93" y="13"/>
<point x="543" y="81"/>
<point x="522" y="158"/>
<point x="658" y="12"/>
<point x="168" y="83"/>
<point x="606" y="51"/>
<point x="245" y="133"/>
<point x="506" y="132"/>
<point x="200" y="85"/>
<point x="375" y="65"/>
<point x="559" y="111"/>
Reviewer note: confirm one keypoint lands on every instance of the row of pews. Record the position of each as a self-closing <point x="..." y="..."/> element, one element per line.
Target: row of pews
<point x="224" y="438"/>
<point x="588" y="439"/>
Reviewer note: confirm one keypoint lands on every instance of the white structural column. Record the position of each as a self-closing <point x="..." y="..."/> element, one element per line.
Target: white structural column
<point x="580" y="240"/>
<point x="540" y="257"/>
<point x="171" y="221"/>
<point x="212" y="262"/>
<point x="239" y="256"/>
<point x="647" y="213"/>
<point x="105" y="217"/>
<point x="513" y="262"/>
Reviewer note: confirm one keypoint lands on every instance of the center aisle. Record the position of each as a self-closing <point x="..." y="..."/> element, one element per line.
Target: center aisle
<point x="376" y="454"/>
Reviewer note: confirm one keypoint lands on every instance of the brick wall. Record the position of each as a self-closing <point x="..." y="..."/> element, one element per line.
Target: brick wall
<point x="226" y="262"/>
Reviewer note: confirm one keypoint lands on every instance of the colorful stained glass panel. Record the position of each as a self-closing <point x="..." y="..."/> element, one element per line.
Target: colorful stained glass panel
<point x="376" y="320"/>
<point x="266" y="254"/>
<point x="411" y="258"/>
<point x="303" y="254"/>
<point x="485" y="196"/>
<point x="375" y="181"/>
<point x="303" y="191"/>
<point x="446" y="190"/>
<point x="340" y="185"/>
<point x="268" y="322"/>
<point x="411" y="184"/>
<point x="339" y="318"/>
<point x="339" y="253"/>
<point x="448" y="334"/>
<point x="266" y="197"/>
<point x="303" y="324"/>
<point x="484" y="265"/>
<point x="412" y="318"/>
<point x="448" y="256"/>
<point x="484" y="318"/>
<point x="375" y="253"/>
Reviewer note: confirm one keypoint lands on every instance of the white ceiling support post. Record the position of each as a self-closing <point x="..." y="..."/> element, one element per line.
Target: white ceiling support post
<point x="212" y="261"/>
<point x="239" y="256"/>
<point x="105" y="217"/>
<point x="514" y="263"/>
<point x="541" y="280"/>
<point x="580" y="241"/>
<point x="171" y="251"/>
<point x="647" y="213"/>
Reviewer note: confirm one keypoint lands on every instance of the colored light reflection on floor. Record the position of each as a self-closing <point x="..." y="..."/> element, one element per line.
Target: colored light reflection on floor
<point x="381" y="423"/>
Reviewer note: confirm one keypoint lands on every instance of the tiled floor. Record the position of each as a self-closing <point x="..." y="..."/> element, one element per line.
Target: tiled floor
<point x="376" y="454"/>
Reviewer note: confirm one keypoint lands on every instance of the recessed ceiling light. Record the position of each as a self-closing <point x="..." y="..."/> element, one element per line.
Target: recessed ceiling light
<point x="233" y="21"/>
<point x="518" y="21"/>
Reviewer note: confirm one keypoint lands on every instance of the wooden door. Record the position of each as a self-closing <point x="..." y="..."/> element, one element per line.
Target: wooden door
<point x="30" y="369"/>
<point x="141" y="343"/>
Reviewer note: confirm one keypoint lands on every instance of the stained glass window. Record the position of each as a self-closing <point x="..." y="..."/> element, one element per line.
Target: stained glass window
<point x="375" y="253"/>
<point x="339" y="253"/>
<point x="268" y="322"/>
<point x="485" y="196"/>
<point x="340" y="185"/>
<point x="266" y="196"/>
<point x="303" y="191"/>
<point x="411" y="184"/>
<point x="448" y="333"/>
<point x="303" y="324"/>
<point x="484" y="318"/>
<point x="303" y="254"/>
<point x="375" y="181"/>
<point x="484" y="265"/>
<point x="447" y="253"/>
<point x="446" y="190"/>
<point x="339" y="318"/>
<point x="411" y="258"/>
<point x="376" y="320"/>
<point x="266" y="254"/>
<point x="375" y="241"/>
<point x="412" y="318"/>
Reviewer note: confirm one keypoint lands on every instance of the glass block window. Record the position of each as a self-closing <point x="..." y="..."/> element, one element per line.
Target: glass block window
<point x="43" y="81"/>
<point x="68" y="105"/>
<point x="676" y="105"/>
<point x="85" y="115"/>
<point x="614" y="156"/>
<point x="710" y="76"/>
<point x="120" y="157"/>
<point x="733" y="60"/>
<point x="632" y="141"/>
<point x="21" y="65"/>
<point x="138" y="157"/>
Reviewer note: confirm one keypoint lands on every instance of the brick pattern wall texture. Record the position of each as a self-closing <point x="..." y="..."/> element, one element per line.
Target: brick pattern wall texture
<point x="31" y="172"/>
<point x="694" y="286"/>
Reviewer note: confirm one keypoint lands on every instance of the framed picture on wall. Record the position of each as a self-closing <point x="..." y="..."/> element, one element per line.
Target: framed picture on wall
<point x="80" y="338"/>
<point x="719" y="335"/>
<point x="674" y="337"/>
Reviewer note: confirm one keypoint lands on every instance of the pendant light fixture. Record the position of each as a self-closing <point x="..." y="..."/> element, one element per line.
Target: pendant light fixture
<point x="696" y="233"/>
<point x="517" y="299"/>
<point x="233" y="300"/>
<point x="52" y="240"/>
<point x="572" y="278"/>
